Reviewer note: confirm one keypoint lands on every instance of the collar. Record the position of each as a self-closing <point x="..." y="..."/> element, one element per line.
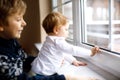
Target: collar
<point x="55" y="37"/>
<point x="10" y="45"/>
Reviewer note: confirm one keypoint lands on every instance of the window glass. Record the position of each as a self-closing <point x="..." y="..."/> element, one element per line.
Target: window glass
<point x="67" y="11"/>
<point x="101" y="23"/>
<point x="115" y="25"/>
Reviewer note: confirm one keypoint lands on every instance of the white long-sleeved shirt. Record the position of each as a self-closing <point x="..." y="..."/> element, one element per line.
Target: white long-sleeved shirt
<point x="51" y="55"/>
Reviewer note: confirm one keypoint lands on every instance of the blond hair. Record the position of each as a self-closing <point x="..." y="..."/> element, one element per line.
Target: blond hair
<point x="52" y="20"/>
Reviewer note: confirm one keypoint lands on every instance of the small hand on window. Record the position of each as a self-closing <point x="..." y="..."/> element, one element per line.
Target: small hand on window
<point x="95" y="50"/>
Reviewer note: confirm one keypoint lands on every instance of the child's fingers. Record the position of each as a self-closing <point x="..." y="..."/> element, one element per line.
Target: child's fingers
<point x="82" y="64"/>
<point x="97" y="49"/>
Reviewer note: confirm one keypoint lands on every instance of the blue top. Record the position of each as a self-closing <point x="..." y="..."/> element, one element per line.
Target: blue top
<point x="11" y="59"/>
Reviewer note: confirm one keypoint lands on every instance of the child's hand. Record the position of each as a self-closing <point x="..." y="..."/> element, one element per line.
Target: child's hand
<point x="95" y="50"/>
<point x="78" y="63"/>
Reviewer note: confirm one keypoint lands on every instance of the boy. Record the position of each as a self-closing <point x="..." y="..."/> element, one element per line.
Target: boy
<point x="11" y="54"/>
<point x="51" y="55"/>
<point x="11" y="26"/>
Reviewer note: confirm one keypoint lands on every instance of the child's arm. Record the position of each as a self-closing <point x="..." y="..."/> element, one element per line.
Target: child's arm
<point x="75" y="50"/>
<point x="94" y="51"/>
<point x="71" y="59"/>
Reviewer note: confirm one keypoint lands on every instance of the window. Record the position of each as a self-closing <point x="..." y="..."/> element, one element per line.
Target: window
<point x="65" y="7"/>
<point x="96" y="22"/>
<point x="101" y="23"/>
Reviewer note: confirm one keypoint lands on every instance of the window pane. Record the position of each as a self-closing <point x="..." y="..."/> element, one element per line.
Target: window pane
<point x="54" y="3"/>
<point x="58" y="3"/>
<point x="102" y="23"/>
<point x="96" y="22"/>
<point x="115" y="25"/>
<point x="67" y="11"/>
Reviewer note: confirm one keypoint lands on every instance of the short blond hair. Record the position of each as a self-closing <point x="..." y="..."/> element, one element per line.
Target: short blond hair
<point x="53" y="19"/>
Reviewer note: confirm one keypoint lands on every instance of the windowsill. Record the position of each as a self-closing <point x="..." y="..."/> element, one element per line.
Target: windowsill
<point x="93" y="65"/>
<point x="81" y="71"/>
<point x="112" y="54"/>
<point x="90" y="70"/>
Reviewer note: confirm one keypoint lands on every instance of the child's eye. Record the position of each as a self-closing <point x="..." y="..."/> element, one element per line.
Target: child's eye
<point x="19" y="19"/>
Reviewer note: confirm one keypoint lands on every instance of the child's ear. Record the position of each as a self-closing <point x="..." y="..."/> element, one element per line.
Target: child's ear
<point x="1" y="28"/>
<point x="55" y="30"/>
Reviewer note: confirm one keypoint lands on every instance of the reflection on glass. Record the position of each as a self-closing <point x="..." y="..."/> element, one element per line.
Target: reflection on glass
<point x="96" y="21"/>
<point x="67" y="11"/>
<point x="116" y="26"/>
<point x="102" y="23"/>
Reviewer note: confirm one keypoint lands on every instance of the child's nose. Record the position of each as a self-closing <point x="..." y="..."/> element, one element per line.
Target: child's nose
<point x="24" y="23"/>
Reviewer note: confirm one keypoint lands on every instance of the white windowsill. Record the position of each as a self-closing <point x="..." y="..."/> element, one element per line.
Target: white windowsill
<point x="90" y="70"/>
<point x="81" y="71"/>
